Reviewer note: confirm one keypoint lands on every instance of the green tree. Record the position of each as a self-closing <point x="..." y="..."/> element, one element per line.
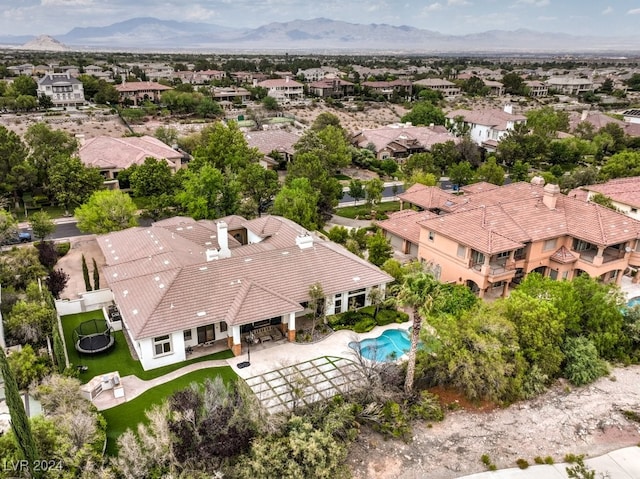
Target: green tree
<point x="25" y="85"/>
<point x="19" y="421"/>
<point x="373" y="189"/>
<point x="46" y="146"/>
<point x="380" y="249"/>
<point x="461" y="174"/>
<point x="152" y="178"/>
<point x="416" y="292"/>
<point x="225" y="148"/>
<point x="96" y="275"/>
<point x="260" y="185"/>
<point x="270" y="103"/>
<point x="491" y="172"/>
<point x="45" y="102"/>
<point x="326" y="119"/>
<point x="106" y="211"/>
<point x="27" y="367"/>
<point x="621" y="165"/>
<point x="12" y="153"/>
<point x="207" y="108"/>
<point x="19" y="267"/>
<point x="30" y="322"/>
<point x="547" y="122"/>
<point x="207" y="194"/>
<point x="41" y="224"/>
<point x="58" y="351"/>
<point x="582" y="363"/>
<point x="298" y="201"/>
<point x="474" y="86"/>
<point x="72" y="183"/>
<point x="8" y="226"/>
<point x="56" y="282"/>
<point x="85" y="275"/>
<point x="513" y="84"/>
<point x="26" y="102"/>
<point x="356" y="190"/>
<point x="519" y="171"/>
<point x="316" y="304"/>
<point x="603" y="200"/>
<point x="329" y="144"/>
<point x="167" y="135"/>
<point x="424" y="113"/>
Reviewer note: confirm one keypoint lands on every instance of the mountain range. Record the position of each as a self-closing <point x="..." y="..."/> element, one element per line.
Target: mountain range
<point x="320" y="35"/>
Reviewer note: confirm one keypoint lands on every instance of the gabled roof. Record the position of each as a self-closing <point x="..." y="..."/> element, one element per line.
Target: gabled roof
<point x="400" y="136"/>
<point x="404" y="224"/>
<point x="142" y="86"/>
<point x="625" y="191"/>
<point x="107" y="152"/>
<point x="564" y="256"/>
<point x="267" y="141"/>
<point x="430" y="197"/>
<point x="495" y="118"/>
<point x="162" y="281"/>
<point x="279" y="82"/>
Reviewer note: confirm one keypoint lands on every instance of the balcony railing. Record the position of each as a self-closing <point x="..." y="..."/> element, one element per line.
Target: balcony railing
<point x="496" y="268"/>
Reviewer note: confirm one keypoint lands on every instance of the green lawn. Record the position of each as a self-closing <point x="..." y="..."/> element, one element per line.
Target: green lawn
<point x="118" y="358"/>
<point x="129" y="414"/>
<point x="364" y="212"/>
<point x="54" y="212"/>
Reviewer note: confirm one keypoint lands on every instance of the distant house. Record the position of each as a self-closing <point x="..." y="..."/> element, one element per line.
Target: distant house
<point x="537" y="88"/>
<point x="283" y="89"/>
<point x="598" y="119"/>
<point x="140" y="91"/>
<point x="227" y="96"/>
<point x="182" y="283"/>
<point x="62" y="88"/>
<point x="495" y="87"/>
<point x="269" y="142"/>
<point x="632" y="115"/>
<point x="447" y="88"/>
<point x="331" y="88"/>
<point x="388" y="89"/>
<point x="570" y="86"/>
<point x="401" y="140"/>
<point x="316" y="74"/>
<point x="623" y="192"/>
<point x="112" y="155"/>
<point x="488" y="126"/>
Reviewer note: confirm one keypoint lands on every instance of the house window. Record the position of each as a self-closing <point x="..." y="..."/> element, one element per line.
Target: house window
<point x="432" y="235"/>
<point x="462" y="251"/>
<point x="634" y="210"/>
<point x="549" y="244"/>
<point x="337" y="304"/>
<point x="162" y="345"/>
<point x="503" y="255"/>
<point x="223" y="327"/>
<point x="613" y="274"/>
<point x="553" y="274"/>
<point x="565" y="275"/>
<point x="579" y="245"/>
<point x="187" y="334"/>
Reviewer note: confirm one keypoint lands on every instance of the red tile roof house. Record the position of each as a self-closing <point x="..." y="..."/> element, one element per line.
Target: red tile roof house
<point x="140" y="91"/>
<point x="112" y="155"/>
<point x="387" y="89"/>
<point x="491" y="237"/>
<point x="181" y="283"/>
<point x="331" y="88"/>
<point x="401" y="140"/>
<point x="624" y="194"/>
<point x="487" y="127"/>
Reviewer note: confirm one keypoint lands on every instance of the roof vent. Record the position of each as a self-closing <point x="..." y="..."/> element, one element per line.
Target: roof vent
<point x="304" y="241"/>
<point x="201" y="313"/>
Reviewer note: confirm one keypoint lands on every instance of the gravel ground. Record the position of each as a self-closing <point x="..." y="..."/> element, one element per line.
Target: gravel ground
<point x="564" y="420"/>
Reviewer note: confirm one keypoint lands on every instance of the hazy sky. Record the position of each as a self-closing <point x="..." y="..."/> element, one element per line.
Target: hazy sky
<point x="594" y="17"/>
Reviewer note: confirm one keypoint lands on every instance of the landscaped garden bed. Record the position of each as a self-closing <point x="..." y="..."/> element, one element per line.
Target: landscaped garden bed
<point x="366" y="319"/>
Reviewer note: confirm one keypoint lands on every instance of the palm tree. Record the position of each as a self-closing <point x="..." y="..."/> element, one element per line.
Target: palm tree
<point x="416" y="291"/>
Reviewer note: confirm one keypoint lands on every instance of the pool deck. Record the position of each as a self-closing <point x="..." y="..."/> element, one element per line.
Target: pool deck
<point x="631" y="290"/>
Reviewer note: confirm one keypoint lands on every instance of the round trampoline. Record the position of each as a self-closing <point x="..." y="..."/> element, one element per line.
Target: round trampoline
<point x="93" y="336"/>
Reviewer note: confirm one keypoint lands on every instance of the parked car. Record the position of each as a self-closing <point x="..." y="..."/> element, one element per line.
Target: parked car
<point x="19" y="237"/>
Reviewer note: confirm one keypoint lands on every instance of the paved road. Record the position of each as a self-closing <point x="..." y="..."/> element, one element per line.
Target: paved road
<point x="386" y="193"/>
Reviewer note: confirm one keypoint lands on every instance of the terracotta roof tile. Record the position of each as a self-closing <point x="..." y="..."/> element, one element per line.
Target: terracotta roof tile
<point x="404" y="224"/>
<point x="106" y="152"/>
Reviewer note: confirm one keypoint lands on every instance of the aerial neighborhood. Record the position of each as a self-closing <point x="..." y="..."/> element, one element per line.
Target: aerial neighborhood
<point x="259" y="265"/>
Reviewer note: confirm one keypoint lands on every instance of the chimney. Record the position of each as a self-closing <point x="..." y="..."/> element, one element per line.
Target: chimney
<point x="537" y="181"/>
<point x="211" y="254"/>
<point x="551" y="193"/>
<point x="286" y="79"/>
<point x="508" y="109"/>
<point x="304" y="241"/>
<point x="223" y="240"/>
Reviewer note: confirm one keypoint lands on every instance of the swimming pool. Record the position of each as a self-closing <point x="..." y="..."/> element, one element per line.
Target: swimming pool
<point x="633" y="302"/>
<point x="389" y="346"/>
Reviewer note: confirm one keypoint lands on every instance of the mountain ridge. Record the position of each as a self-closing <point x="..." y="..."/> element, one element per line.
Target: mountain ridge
<point x="324" y="34"/>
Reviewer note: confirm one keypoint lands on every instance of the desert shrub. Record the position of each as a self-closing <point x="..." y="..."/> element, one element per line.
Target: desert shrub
<point x="367" y="323"/>
<point x="62" y="249"/>
<point x="427" y="407"/>
<point x="583" y="365"/>
<point x="538" y="460"/>
<point x="486" y="460"/>
<point x="548" y="460"/>
<point x="522" y="463"/>
<point x="394" y="422"/>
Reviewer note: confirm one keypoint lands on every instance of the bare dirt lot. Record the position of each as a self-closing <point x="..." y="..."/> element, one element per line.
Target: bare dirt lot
<point x="565" y="420"/>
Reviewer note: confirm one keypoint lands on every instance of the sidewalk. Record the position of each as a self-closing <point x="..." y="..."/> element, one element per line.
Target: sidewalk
<point x="59" y="221"/>
<point x="620" y="464"/>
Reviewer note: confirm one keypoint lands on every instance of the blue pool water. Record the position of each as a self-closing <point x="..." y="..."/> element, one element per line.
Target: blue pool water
<point x="389" y="346"/>
<point x="633" y="302"/>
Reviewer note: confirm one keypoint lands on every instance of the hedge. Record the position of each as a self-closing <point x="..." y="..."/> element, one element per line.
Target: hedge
<point x="362" y="320"/>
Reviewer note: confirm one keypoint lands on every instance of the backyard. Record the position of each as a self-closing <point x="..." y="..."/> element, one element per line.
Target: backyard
<point x="119" y="357"/>
<point x="363" y="212"/>
<point x="131" y="413"/>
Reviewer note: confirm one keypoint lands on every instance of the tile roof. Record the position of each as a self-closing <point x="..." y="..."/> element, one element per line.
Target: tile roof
<point x="280" y="82"/>
<point x="163" y="282"/>
<point x="430" y="197"/>
<point x="401" y="136"/>
<point x="429" y="82"/>
<point x="142" y="86"/>
<point x="107" y="152"/>
<point x="621" y="190"/>
<point x="500" y="219"/>
<point x="404" y="224"/>
<point x="495" y="118"/>
<point x="564" y="256"/>
<point x="267" y="141"/>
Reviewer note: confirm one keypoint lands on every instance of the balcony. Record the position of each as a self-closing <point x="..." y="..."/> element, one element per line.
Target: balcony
<point x="608" y="255"/>
<point x="496" y="270"/>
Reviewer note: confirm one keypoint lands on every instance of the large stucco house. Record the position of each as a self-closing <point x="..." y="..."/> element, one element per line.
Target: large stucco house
<point x="62" y="88"/>
<point x="486" y="127"/>
<point x="490" y="237"/>
<point x="180" y="283"/>
<point x="624" y="194"/>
